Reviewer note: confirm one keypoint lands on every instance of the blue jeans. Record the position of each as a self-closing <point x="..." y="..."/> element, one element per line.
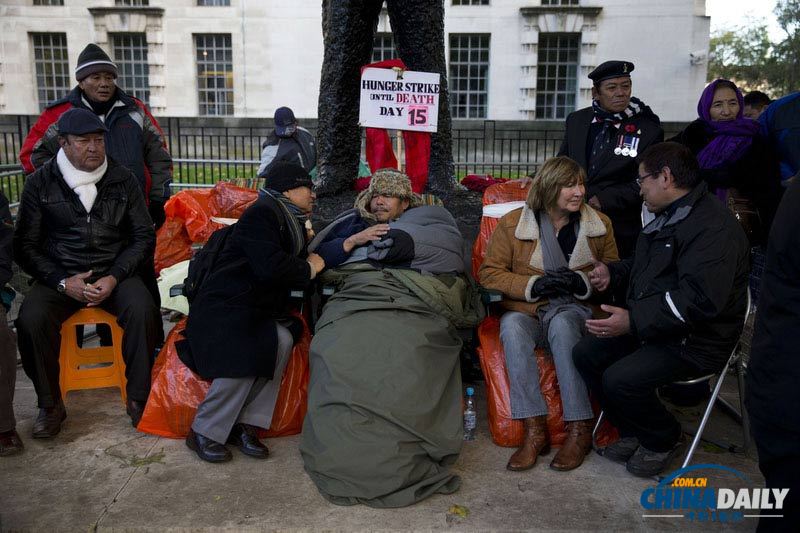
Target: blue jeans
<point x="520" y="333"/>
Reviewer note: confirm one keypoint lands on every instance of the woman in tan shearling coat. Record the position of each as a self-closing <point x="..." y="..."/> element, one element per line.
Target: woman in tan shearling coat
<point x="539" y="257"/>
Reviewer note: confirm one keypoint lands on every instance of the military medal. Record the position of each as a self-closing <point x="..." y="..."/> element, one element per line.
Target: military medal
<point x="627" y="145"/>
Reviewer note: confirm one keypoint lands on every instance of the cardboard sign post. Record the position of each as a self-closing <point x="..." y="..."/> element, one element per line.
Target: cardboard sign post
<point x="405" y="100"/>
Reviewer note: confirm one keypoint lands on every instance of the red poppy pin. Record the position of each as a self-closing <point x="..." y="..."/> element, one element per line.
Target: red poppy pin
<point x="630" y="128"/>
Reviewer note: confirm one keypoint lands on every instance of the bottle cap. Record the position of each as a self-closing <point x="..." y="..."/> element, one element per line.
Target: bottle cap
<point x="470" y="391"/>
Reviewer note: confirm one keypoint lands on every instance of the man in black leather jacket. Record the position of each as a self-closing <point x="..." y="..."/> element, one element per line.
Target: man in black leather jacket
<point x="82" y="232"/>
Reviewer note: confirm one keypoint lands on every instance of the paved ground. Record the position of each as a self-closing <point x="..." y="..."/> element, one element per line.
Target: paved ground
<point x="101" y="474"/>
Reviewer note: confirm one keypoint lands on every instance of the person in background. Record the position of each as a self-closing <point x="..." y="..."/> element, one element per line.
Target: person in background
<point x="606" y="140"/>
<point x="10" y="443"/>
<point x="780" y="125"/>
<point x="288" y="143"/>
<point x="133" y="138"/>
<point x="755" y="103"/>
<point x="538" y="258"/>
<point x="735" y="161"/>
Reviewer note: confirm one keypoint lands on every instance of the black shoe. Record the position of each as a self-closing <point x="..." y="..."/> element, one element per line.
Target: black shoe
<point x="48" y="422"/>
<point x="620" y="451"/>
<point x="647" y="463"/>
<point x="245" y="437"/>
<point x="135" y="409"/>
<point x="207" y="449"/>
<point x="10" y="443"/>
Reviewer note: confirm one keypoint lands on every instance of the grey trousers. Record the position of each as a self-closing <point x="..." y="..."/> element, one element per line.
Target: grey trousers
<point x="8" y="374"/>
<point x="249" y="400"/>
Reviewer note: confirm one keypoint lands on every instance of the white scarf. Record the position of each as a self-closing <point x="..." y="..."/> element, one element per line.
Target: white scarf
<point x="83" y="183"/>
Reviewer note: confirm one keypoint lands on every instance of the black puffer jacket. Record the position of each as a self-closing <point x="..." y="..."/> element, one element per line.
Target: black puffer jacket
<point x="56" y="238"/>
<point x="688" y="279"/>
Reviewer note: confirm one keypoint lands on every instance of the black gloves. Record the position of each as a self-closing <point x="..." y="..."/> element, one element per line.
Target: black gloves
<point x="549" y="285"/>
<point x="562" y="282"/>
<point x="572" y="281"/>
<point x="156" y="210"/>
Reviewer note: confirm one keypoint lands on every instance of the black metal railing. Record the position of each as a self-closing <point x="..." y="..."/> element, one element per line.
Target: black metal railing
<point x="208" y="150"/>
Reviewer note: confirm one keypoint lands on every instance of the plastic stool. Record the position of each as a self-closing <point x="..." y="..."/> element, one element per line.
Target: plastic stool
<point x="79" y="365"/>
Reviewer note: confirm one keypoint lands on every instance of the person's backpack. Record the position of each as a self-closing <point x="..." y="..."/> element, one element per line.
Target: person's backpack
<point x="203" y="262"/>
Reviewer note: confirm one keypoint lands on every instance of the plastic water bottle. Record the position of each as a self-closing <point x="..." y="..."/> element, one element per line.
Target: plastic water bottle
<point x="470" y="416"/>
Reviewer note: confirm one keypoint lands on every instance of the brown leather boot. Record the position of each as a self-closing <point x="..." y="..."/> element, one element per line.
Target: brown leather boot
<point x="536" y="443"/>
<point x="575" y="448"/>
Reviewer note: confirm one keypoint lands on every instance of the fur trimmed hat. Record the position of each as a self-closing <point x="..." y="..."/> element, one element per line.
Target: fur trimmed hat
<point x="386" y="182"/>
<point x="94" y="59"/>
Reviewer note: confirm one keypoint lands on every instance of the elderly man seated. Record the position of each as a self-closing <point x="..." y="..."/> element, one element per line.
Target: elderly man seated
<point x="384" y="411"/>
<point x="82" y="233"/>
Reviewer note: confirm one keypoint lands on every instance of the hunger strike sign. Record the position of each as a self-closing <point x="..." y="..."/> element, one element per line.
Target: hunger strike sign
<point x="408" y="102"/>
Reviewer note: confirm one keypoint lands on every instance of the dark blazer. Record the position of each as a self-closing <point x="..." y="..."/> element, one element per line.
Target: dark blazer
<point x="615" y="184"/>
<point x="231" y="327"/>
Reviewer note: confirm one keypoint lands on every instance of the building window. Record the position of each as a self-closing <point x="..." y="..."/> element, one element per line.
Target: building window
<point x="557" y="74"/>
<point x="469" y="74"/>
<point x="52" y="66"/>
<point x="48" y="2"/>
<point x="383" y="47"/>
<point x="471" y="2"/>
<point x="559" y="2"/>
<point x="131" y="2"/>
<point x="130" y="55"/>
<point x="213" y="2"/>
<point x="215" y="74"/>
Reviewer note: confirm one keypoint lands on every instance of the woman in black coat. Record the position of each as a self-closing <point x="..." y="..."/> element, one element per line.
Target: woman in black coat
<point x="734" y="158"/>
<point x="239" y="333"/>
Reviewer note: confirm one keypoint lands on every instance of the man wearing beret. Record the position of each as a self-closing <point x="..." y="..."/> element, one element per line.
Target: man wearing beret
<point x="133" y="137"/>
<point x="240" y="333"/>
<point x="82" y="233"/>
<point x="606" y="139"/>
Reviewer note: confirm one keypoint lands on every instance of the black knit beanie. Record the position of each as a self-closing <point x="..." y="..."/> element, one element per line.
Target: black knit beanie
<point x="283" y="176"/>
<point x="93" y="59"/>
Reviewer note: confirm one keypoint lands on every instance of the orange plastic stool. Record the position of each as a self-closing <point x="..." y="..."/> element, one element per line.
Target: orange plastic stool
<point x="80" y="365"/>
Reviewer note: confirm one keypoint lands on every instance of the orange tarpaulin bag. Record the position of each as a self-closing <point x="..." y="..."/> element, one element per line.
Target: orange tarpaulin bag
<point x="188" y="222"/>
<point x="176" y="392"/>
<point x="506" y="431"/>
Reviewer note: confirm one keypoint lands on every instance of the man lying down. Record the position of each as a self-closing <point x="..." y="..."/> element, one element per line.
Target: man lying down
<point x="384" y="400"/>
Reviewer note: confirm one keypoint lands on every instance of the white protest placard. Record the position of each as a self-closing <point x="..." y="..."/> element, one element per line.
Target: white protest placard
<point x="406" y="102"/>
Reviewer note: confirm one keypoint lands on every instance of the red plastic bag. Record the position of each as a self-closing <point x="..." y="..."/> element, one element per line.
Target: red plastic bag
<point x="506" y="431"/>
<point x="189" y="221"/>
<point x="176" y="392"/>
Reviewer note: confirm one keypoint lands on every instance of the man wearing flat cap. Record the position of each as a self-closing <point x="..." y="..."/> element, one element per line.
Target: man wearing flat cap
<point x="133" y="137"/>
<point x="606" y="139"/>
<point x="82" y="233"/>
<point x="240" y="333"/>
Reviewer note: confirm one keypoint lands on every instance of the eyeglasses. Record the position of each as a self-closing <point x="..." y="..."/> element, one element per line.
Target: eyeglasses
<point x="640" y="179"/>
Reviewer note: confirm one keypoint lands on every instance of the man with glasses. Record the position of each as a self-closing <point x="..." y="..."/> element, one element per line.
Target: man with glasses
<point x="83" y="232"/>
<point x="686" y="300"/>
<point x="606" y="139"/>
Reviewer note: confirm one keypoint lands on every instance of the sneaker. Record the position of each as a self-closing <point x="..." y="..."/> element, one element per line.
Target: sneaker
<point x="647" y="463"/>
<point x="620" y="451"/>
